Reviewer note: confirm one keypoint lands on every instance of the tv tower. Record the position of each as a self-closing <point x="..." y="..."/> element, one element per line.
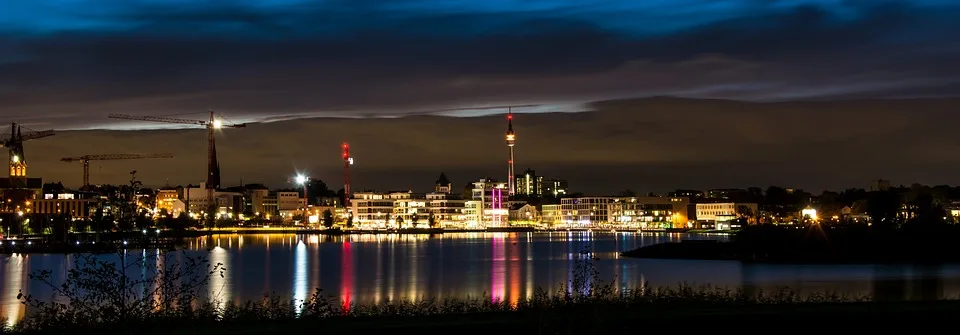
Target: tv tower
<point x="511" y="139"/>
<point x="347" y="161"/>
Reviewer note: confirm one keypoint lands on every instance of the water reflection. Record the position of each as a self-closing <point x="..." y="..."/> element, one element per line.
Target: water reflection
<point x="346" y="281"/>
<point x="361" y="269"/>
<point x="15" y="280"/>
<point x="300" y="277"/>
<point x="220" y="290"/>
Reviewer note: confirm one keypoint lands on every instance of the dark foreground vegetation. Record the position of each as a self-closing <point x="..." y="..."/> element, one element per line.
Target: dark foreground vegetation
<point x="99" y="297"/>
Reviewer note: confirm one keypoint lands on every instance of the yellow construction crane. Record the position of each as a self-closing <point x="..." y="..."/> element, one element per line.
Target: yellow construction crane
<point x="86" y="161"/>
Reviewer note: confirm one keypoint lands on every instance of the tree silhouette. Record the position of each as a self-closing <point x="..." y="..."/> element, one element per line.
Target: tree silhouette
<point x="432" y="220"/>
<point x="327" y="218"/>
<point x="414" y="218"/>
<point x="883" y="208"/>
<point x="745" y="214"/>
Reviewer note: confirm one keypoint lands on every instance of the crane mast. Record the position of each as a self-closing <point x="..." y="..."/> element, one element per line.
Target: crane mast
<point x="212" y="124"/>
<point x="14" y="143"/>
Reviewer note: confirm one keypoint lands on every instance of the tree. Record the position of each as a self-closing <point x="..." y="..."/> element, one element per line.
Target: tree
<point x="883" y="208"/>
<point x="350" y="221"/>
<point x="628" y="193"/>
<point x="399" y="221"/>
<point x="414" y="218"/>
<point x="327" y="218"/>
<point x="142" y="221"/>
<point x="432" y="220"/>
<point x="745" y="215"/>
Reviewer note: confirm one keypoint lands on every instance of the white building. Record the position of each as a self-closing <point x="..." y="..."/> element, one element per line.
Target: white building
<point x="585" y="211"/>
<point x="447" y="209"/>
<point x="649" y="212"/>
<point x="371" y="210"/>
<point x="721" y="215"/>
<point x="486" y="207"/>
<point x="635" y="212"/>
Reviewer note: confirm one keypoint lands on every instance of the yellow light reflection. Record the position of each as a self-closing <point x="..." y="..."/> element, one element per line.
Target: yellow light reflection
<point x="220" y="285"/>
<point x="12" y="308"/>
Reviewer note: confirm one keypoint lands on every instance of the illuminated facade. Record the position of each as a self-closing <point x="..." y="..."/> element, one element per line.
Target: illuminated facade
<point x="722" y="214"/>
<point x="649" y="212"/>
<point x="69" y="204"/>
<point x="632" y="212"/>
<point x="487" y="206"/>
<point x="550" y="215"/>
<point x="447" y="209"/>
<point x="585" y="211"/>
<point x="528" y="184"/>
<point x="371" y="210"/>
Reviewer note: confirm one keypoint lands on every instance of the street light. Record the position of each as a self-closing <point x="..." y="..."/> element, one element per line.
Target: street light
<point x="303" y="180"/>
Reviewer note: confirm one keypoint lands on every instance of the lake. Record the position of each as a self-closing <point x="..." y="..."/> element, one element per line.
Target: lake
<point x="509" y="266"/>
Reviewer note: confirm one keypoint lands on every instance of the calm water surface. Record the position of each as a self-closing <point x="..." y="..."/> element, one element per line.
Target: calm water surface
<point x="509" y="266"/>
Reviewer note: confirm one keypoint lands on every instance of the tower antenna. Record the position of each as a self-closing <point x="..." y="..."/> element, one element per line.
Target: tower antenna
<point x="511" y="140"/>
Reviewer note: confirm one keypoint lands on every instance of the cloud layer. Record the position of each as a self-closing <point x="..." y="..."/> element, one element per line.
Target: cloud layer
<point x="646" y="145"/>
<point x="67" y="64"/>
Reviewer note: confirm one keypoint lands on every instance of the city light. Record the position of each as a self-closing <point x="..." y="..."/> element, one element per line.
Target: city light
<point x="217" y="124"/>
<point x="301" y="179"/>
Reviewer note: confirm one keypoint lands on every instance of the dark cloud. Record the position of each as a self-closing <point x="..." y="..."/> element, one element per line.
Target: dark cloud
<point x="285" y="61"/>
<point x="647" y="145"/>
<point x="254" y="60"/>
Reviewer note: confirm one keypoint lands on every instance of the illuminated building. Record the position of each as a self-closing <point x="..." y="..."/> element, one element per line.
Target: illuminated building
<point x="371" y="210"/>
<point x="524" y="213"/>
<point x="808" y="213"/>
<point x="168" y="199"/>
<point x="446" y="207"/>
<point x="409" y="210"/>
<point x="632" y="212"/>
<point x="198" y="199"/>
<point x="550" y="215"/>
<point x="649" y="212"/>
<point x="584" y="211"/>
<point x="75" y="205"/>
<point x="528" y="184"/>
<point x="486" y="207"/>
<point x="511" y="140"/>
<point x="722" y="215"/>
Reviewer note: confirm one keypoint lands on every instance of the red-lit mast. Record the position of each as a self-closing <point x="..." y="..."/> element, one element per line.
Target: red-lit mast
<point x="511" y="139"/>
<point x="347" y="161"/>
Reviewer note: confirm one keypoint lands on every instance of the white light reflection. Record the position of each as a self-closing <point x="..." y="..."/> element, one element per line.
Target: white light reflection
<point x="219" y="285"/>
<point x="300" y="277"/>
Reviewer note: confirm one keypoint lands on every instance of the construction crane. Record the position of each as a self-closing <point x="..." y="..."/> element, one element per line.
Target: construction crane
<point x="213" y="166"/>
<point x="108" y="157"/>
<point x="14" y="143"/>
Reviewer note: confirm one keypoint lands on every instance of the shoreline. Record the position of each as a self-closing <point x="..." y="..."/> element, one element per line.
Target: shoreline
<point x="114" y="241"/>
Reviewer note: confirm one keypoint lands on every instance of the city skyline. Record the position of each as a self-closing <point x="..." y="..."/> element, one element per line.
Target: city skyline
<point x="659" y="150"/>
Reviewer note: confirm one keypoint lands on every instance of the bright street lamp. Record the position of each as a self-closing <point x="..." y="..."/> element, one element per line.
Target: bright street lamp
<point x="303" y="180"/>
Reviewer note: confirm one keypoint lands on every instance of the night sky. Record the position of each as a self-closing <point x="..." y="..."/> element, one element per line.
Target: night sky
<point x="66" y="64"/>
